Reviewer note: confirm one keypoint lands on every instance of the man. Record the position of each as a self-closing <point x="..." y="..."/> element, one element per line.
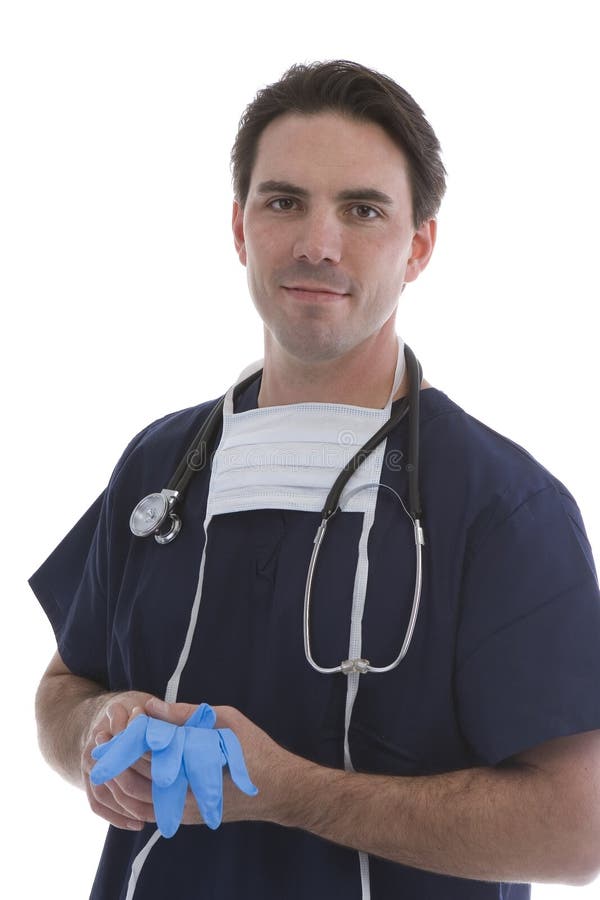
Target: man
<point x="471" y="768"/>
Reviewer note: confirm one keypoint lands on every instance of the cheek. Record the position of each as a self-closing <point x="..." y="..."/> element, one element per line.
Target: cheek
<point x="378" y="267"/>
<point x="264" y="254"/>
<point x="262" y="237"/>
<point x="374" y="252"/>
<point x="393" y="261"/>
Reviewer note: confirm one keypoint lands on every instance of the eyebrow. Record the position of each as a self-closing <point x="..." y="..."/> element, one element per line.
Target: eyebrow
<point x="361" y="193"/>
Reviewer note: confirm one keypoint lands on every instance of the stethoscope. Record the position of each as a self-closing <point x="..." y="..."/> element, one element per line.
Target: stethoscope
<point x="158" y="509"/>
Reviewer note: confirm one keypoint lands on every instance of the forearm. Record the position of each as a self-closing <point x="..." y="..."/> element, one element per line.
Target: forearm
<point x="65" y="706"/>
<point x="486" y="824"/>
<point x="536" y="819"/>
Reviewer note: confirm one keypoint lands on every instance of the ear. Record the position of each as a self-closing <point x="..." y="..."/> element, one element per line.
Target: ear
<point x="423" y="243"/>
<point x="237" y="224"/>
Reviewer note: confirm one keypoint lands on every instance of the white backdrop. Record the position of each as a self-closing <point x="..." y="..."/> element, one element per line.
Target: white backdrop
<point x="123" y="299"/>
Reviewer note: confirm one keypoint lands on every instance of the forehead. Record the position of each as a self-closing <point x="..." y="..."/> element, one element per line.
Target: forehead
<point x="329" y="149"/>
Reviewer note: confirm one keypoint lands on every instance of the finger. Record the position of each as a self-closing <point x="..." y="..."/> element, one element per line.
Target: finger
<point x="124" y="750"/>
<point x="102" y="726"/>
<point x="134" y="713"/>
<point x="143" y="766"/>
<point x="104" y="741"/>
<point x="113" y="721"/>
<point x="119" y="821"/>
<point x="177" y="713"/>
<point x="118" y="716"/>
<point x="131" y="806"/>
<point x="103" y="744"/>
<point x="121" y="745"/>
<point x="133" y="785"/>
<point x="103" y="804"/>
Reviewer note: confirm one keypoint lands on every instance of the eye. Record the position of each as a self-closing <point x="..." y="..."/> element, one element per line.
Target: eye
<point x="281" y="200"/>
<point x="371" y="208"/>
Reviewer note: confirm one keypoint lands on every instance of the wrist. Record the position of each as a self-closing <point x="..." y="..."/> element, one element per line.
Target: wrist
<point x="302" y="789"/>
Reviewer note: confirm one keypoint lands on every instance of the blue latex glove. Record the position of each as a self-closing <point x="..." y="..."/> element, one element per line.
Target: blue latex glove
<point x="193" y="754"/>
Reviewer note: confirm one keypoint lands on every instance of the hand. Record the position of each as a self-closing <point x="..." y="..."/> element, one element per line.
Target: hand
<point x="269" y="766"/>
<point x="126" y="801"/>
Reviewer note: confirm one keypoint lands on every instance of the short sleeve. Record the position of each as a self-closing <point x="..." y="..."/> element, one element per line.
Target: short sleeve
<point x="72" y="585"/>
<point x="71" y="588"/>
<point x="528" y="644"/>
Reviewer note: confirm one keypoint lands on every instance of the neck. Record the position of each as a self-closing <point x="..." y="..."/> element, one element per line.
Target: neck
<point x="362" y="377"/>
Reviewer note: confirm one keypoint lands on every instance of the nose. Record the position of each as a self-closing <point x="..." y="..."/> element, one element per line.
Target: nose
<point x="318" y="237"/>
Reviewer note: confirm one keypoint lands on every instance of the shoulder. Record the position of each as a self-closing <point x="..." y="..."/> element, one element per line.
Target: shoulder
<point x="448" y="425"/>
<point x="492" y="475"/>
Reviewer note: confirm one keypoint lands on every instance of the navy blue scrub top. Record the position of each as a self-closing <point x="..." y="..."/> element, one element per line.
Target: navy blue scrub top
<point x="505" y="654"/>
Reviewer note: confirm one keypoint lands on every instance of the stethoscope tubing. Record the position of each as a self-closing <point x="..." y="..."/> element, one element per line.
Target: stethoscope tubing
<point x="360" y="665"/>
<point x="150" y="514"/>
<point x="412" y="408"/>
<point x="153" y="511"/>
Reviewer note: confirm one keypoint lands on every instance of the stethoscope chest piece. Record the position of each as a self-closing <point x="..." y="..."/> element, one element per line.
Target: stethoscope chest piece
<point x="150" y="513"/>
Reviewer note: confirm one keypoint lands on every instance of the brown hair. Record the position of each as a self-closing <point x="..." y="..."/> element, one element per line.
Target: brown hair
<point x="363" y="94"/>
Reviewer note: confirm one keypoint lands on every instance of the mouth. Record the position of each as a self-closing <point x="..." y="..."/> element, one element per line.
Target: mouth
<point x="305" y="293"/>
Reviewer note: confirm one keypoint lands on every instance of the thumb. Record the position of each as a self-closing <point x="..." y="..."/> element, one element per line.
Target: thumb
<point x="176" y="713"/>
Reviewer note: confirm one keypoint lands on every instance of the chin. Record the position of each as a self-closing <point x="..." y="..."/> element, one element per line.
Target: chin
<point x="314" y="349"/>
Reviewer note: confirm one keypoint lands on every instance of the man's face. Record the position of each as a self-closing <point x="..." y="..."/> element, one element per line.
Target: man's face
<point x="360" y="247"/>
